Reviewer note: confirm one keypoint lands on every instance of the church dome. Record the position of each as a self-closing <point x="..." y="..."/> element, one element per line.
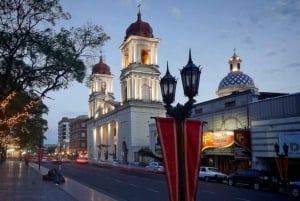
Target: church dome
<point x="101" y="68"/>
<point x="139" y="28"/>
<point x="236" y="80"/>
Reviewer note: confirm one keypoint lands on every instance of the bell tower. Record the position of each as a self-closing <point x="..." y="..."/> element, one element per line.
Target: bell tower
<point x="140" y="71"/>
<point x="101" y="90"/>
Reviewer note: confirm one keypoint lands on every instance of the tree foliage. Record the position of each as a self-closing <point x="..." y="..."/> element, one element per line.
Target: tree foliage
<point x="35" y="56"/>
<point x="28" y="128"/>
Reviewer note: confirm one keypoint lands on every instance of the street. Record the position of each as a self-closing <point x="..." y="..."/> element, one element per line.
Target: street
<point x="122" y="184"/>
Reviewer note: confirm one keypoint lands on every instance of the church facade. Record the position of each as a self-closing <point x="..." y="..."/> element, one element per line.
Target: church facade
<point x="118" y="130"/>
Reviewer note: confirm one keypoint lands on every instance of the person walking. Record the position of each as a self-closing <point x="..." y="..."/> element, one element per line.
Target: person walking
<point x="26" y="158"/>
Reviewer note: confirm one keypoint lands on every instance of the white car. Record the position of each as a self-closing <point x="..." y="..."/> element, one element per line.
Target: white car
<point x="159" y="166"/>
<point x="294" y="188"/>
<point x="211" y="173"/>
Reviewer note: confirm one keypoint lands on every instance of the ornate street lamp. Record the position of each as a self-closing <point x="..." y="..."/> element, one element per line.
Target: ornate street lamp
<point x="282" y="162"/>
<point x="190" y="76"/>
<point x="168" y="87"/>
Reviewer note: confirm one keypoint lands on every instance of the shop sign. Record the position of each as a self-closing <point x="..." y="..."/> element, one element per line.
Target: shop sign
<point x="218" y="139"/>
<point x="242" y="145"/>
<point x="228" y="151"/>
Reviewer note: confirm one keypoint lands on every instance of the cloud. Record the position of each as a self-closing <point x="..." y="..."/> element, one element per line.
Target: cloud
<point x="283" y="50"/>
<point x="248" y="40"/>
<point x="224" y="34"/>
<point x="237" y="22"/>
<point x="294" y="65"/>
<point x="287" y="10"/>
<point x="272" y="53"/>
<point x="176" y="12"/>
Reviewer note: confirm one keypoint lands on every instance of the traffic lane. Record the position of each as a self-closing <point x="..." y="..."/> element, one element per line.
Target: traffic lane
<point x="119" y="183"/>
<point x="133" y="185"/>
<point x="213" y="191"/>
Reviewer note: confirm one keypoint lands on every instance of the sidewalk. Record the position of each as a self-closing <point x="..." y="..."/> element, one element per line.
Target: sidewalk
<point x="24" y="183"/>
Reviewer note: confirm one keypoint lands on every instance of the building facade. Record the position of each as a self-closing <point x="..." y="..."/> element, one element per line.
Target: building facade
<point x="276" y="120"/>
<point x="63" y="136"/>
<point x="242" y="124"/>
<point x="117" y="129"/>
<point x="240" y="115"/>
<point x="78" y="136"/>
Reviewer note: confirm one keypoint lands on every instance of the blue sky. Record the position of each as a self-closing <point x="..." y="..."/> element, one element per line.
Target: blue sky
<point x="265" y="33"/>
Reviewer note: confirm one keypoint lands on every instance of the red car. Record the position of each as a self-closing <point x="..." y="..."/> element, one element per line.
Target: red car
<point x="82" y="160"/>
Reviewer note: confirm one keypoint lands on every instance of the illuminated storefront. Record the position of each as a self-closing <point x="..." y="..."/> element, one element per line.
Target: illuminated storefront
<point x="226" y="149"/>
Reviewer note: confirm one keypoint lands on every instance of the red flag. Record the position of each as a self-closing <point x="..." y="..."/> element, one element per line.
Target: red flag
<point x="192" y="134"/>
<point x="167" y="133"/>
<point x="40" y="153"/>
<point x="282" y="165"/>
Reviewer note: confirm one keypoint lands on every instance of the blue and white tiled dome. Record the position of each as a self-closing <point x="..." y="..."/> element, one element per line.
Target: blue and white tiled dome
<point x="236" y="80"/>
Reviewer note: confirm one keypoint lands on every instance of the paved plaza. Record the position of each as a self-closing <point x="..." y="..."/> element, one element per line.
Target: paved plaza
<point x="19" y="182"/>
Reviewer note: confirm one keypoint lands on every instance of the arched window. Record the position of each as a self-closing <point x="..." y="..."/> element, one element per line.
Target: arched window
<point x="126" y="58"/>
<point x="103" y="86"/>
<point x="146" y="92"/>
<point x="125" y="93"/>
<point x="145" y="58"/>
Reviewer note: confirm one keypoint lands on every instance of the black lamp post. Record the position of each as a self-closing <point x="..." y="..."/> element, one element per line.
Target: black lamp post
<point x="281" y="156"/>
<point x="190" y="76"/>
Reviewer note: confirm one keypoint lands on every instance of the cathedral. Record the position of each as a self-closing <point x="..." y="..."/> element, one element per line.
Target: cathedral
<point x="119" y="130"/>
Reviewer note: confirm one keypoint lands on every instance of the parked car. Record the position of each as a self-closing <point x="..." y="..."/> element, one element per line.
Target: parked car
<point x="116" y="162"/>
<point x="257" y="179"/>
<point x="211" y="173"/>
<point x="138" y="164"/>
<point x="294" y="188"/>
<point x="159" y="166"/>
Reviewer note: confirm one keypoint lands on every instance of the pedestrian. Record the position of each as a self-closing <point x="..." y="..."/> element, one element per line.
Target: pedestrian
<point x="26" y="158"/>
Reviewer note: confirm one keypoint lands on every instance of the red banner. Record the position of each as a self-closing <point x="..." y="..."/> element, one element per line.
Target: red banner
<point x="282" y="165"/>
<point x="192" y="131"/>
<point x="40" y="153"/>
<point x="242" y="145"/>
<point x="167" y="133"/>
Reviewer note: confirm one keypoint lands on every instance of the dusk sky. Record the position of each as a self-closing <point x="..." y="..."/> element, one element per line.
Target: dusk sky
<point x="265" y="34"/>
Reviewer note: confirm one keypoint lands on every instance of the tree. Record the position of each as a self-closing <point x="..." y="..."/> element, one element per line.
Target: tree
<point x="21" y="121"/>
<point x="33" y="55"/>
<point x="37" y="58"/>
<point x="51" y="150"/>
<point x="30" y="131"/>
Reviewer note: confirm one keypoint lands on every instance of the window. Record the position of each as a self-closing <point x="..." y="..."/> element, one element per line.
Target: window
<point x="145" y="56"/>
<point x="230" y="104"/>
<point x="126" y="57"/>
<point x="82" y="135"/>
<point x="125" y="93"/>
<point x="146" y="92"/>
<point x="103" y="86"/>
<point x="199" y="110"/>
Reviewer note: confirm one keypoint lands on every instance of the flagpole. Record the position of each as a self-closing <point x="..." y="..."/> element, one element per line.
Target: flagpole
<point x="190" y="76"/>
<point x="180" y="113"/>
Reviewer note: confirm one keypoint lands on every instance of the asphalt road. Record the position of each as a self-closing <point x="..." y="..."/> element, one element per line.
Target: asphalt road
<point x="126" y="185"/>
